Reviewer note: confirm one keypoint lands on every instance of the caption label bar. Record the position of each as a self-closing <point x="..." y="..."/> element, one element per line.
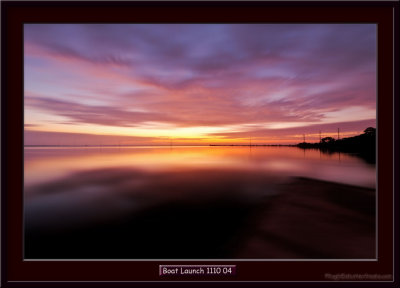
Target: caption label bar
<point x="194" y="270"/>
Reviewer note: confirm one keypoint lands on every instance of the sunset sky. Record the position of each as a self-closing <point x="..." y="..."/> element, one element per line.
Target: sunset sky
<point x="197" y="83"/>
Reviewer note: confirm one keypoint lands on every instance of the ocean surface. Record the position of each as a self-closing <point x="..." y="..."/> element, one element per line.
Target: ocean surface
<point x="174" y="202"/>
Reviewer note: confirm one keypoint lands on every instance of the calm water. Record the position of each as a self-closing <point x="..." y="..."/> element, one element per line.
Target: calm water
<point x="162" y="202"/>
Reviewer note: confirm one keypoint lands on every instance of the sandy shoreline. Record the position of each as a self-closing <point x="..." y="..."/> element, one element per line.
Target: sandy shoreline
<point x="314" y="219"/>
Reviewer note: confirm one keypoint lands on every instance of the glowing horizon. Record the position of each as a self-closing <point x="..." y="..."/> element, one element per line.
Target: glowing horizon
<point x="197" y="83"/>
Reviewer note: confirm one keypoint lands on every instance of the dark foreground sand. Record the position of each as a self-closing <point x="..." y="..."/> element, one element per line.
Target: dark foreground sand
<point x="314" y="219"/>
<point x="198" y="215"/>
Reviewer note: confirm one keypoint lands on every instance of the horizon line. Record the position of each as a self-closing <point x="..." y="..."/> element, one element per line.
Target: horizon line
<point x="157" y="145"/>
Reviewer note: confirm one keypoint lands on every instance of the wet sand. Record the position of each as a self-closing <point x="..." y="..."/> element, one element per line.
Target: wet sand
<point x="314" y="219"/>
<point x="198" y="215"/>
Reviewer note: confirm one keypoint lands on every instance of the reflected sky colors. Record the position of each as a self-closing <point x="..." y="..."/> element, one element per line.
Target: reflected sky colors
<point x="203" y="202"/>
<point x="46" y="165"/>
<point x="154" y="84"/>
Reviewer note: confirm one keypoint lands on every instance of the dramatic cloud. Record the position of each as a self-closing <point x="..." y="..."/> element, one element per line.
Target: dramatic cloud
<point x="102" y="115"/>
<point x="218" y="79"/>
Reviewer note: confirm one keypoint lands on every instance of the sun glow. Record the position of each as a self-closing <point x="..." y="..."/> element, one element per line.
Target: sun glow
<point x="150" y="129"/>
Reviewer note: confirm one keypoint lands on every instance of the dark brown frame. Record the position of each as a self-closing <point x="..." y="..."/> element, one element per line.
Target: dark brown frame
<point x="17" y="272"/>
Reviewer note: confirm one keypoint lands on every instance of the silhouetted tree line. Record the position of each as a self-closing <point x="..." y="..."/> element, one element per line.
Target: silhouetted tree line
<point x="364" y="145"/>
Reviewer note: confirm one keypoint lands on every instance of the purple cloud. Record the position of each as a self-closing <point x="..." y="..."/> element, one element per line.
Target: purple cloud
<point x="199" y="74"/>
<point x="103" y="115"/>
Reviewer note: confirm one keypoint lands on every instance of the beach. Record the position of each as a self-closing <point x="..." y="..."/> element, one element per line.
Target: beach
<point x="314" y="219"/>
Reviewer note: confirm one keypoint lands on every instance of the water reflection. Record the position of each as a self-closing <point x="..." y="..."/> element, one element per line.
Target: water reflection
<point x="196" y="202"/>
<point x="44" y="164"/>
